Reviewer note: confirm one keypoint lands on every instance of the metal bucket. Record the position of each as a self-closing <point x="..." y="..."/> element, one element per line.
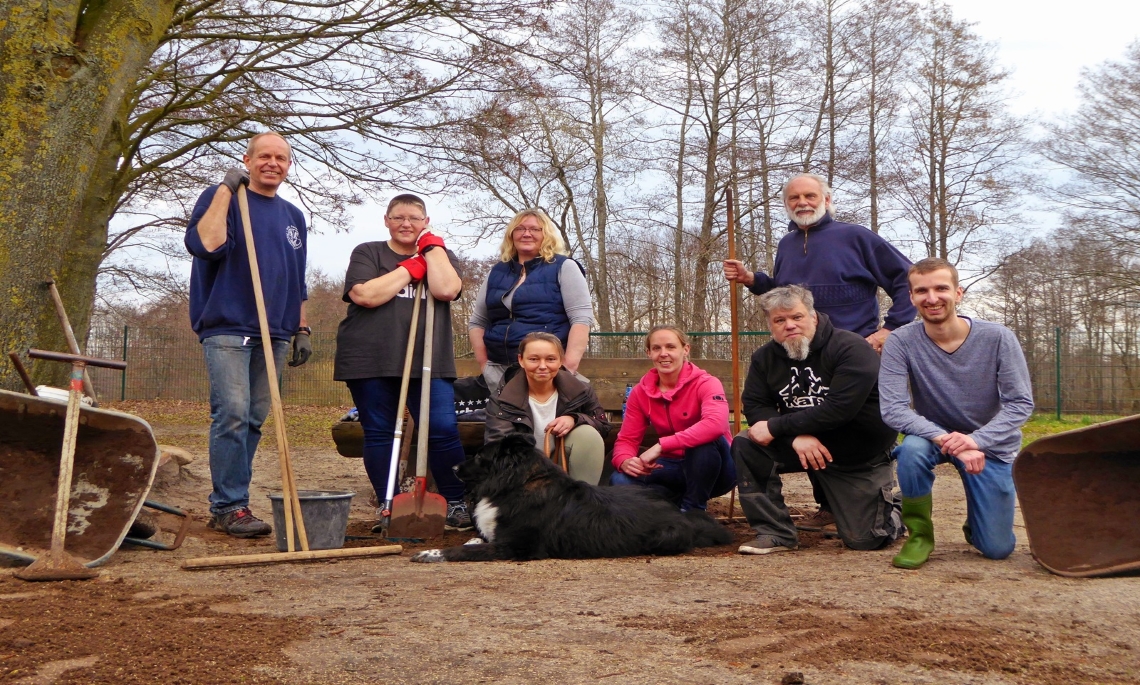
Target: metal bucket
<point x="326" y="518"/>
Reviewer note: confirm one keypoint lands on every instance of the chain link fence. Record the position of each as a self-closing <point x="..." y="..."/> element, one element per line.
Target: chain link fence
<point x="1077" y="373"/>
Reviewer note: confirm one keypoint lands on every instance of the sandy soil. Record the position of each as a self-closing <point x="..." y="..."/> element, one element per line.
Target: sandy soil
<point x="820" y="615"/>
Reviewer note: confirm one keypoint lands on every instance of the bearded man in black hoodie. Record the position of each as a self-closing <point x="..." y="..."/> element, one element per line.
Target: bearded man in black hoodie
<point x="812" y="403"/>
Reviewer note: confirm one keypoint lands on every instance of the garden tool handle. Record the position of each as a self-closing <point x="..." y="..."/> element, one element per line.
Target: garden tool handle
<point x="48" y="355"/>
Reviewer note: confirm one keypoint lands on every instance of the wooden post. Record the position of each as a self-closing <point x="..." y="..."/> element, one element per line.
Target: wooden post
<point x="734" y="304"/>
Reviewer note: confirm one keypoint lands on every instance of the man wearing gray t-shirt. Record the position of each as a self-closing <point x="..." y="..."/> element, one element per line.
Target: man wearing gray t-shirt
<point x="969" y="387"/>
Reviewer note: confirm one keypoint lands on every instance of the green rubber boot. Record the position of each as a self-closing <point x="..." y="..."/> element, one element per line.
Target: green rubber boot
<point x="916" y="516"/>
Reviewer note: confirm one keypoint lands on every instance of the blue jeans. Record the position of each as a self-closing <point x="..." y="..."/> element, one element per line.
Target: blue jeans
<point x="704" y="472"/>
<point x="239" y="402"/>
<point x="376" y="400"/>
<point x="990" y="495"/>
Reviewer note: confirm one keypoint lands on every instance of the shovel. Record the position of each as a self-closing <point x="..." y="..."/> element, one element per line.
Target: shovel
<point x="57" y="564"/>
<point x="419" y="513"/>
<point x="398" y="437"/>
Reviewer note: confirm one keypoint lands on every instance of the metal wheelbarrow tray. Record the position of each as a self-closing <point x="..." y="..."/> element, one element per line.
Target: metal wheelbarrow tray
<point x="115" y="461"/>
<point x="1080" y="498"/>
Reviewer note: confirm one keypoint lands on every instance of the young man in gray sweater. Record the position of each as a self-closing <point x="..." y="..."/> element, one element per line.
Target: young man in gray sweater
<point x="969" y="386"/>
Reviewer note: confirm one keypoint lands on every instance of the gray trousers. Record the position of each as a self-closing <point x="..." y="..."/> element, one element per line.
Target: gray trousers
<point x="861" y="495"/>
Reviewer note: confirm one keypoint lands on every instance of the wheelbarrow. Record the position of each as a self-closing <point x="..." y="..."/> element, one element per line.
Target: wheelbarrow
<point x="1080" y="498"/>
<point x="116" y="457"/>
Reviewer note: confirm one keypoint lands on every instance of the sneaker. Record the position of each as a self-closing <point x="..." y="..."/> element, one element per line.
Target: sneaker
<point x="457" y="517"/>
<point x="764" y="544"/>
<point x="240" y="523"/>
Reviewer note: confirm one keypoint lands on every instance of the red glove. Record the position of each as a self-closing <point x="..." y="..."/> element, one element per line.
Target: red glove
<point x="416" y="266"/>
<point x="427" y="241"/>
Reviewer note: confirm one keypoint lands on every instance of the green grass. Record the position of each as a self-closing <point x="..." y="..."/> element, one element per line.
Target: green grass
<point x="186" y="424"/>
<point x="1041" y="425"/>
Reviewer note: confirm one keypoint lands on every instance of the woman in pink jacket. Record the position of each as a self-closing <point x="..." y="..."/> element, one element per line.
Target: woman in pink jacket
<point x="688" y="408"/>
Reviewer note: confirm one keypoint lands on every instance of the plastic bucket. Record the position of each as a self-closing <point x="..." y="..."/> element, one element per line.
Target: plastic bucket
<point x="326" y="518"/>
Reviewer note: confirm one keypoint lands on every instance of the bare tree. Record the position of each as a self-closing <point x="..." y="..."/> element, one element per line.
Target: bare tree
<point x="956" y="174"/>
<point x="558" y="137"/>
<point x="703" y="38"/>
<point x="883" y="32"/>
<point x="1095" y="145"/>
<point x="121" y="106"/>
<point x="771" y="137"/>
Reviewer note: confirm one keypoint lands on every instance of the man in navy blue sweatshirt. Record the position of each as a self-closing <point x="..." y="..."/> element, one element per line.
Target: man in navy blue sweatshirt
<point x="843" y="265"/>
<point x="223" y="312"/>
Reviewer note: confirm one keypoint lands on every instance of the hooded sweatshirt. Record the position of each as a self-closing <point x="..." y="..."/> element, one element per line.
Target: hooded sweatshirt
<point x="833" y="394"/>
<point x="693" y="413"/>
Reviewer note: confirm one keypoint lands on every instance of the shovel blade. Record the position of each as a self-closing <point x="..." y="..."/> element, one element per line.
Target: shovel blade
<point x="418" y="514"/>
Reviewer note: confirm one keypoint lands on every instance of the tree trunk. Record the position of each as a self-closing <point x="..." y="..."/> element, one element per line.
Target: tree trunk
<point x="67" y="72"/>
<point x="679" y="228"/>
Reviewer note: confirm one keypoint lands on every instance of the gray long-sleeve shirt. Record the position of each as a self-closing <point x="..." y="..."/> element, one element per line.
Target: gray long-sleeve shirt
<point x="981" y="389"/>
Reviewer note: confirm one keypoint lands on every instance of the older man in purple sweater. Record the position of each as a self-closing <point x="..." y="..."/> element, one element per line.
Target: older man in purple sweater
<point x="842" y="264"/>
<point x="958" y="389"/>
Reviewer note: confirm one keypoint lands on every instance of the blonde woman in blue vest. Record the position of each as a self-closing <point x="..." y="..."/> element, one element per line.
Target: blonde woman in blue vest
<point x="534" y="288"/>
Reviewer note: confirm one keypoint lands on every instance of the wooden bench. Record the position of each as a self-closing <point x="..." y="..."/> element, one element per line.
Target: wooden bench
<point x="608" y="376"/>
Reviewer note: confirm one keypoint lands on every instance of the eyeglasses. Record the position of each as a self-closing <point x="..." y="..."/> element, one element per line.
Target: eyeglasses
<point x="537" y="230"/>
<point x="410" y="219"/>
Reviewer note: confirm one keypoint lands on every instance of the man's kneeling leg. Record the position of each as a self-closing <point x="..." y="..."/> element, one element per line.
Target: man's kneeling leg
<point x="863" y="502"/>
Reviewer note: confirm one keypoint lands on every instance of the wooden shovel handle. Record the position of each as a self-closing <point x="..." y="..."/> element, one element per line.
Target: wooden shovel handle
<point x="290" y="500"/>
<point x="558" y="453"/>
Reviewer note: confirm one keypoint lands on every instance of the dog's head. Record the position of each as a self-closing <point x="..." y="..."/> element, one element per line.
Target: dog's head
<point x="502" y="464"/>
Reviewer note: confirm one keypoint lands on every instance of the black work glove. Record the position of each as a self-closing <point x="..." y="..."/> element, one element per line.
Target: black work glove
<point x="234" y="178"/>
<point x="302" y="349"/>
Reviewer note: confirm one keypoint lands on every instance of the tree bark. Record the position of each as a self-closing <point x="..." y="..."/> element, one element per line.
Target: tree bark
<point x="68" y="69"/>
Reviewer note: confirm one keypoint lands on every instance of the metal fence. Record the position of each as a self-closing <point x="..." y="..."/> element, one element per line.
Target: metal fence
<point x="1075" y="374"/>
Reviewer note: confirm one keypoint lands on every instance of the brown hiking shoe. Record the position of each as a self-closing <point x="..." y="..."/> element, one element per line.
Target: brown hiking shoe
<point x="822" y="521"/>
<point x="813" y="523"/>
<point x="240" y="523"/>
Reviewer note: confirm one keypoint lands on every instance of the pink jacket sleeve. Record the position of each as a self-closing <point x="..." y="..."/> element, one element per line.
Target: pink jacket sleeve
<point x="712" y="424"/>
<point x="633" y="427"/>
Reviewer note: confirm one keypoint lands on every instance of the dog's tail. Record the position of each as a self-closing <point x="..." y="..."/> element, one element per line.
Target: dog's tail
<point x="706" y="531"/>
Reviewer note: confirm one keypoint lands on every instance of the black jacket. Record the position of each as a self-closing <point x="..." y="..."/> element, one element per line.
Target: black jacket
<point x="509" y="409"/>
<point x="832" y="395"/>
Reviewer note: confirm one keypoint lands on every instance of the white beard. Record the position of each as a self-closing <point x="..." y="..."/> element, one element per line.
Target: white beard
<point x="797" y="349"/>
<point x="813" y="219"/>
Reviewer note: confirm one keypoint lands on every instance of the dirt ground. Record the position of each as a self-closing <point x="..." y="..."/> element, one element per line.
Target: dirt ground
<point x="821" y="615"/>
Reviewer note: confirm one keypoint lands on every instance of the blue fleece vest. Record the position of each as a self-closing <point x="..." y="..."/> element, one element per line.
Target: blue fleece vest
<point x="536" y="306"/>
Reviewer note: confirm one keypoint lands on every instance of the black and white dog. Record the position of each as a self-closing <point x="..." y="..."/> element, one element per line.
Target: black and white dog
<point x="527" y="508"/>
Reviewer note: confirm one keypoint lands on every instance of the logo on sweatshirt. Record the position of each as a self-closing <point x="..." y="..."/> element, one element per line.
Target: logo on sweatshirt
<point x="805" y="389"/>
<point x="293" y="236"/>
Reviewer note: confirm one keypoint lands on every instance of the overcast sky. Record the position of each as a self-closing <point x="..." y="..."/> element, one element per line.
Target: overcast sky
<point x="1045" y="43"/>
